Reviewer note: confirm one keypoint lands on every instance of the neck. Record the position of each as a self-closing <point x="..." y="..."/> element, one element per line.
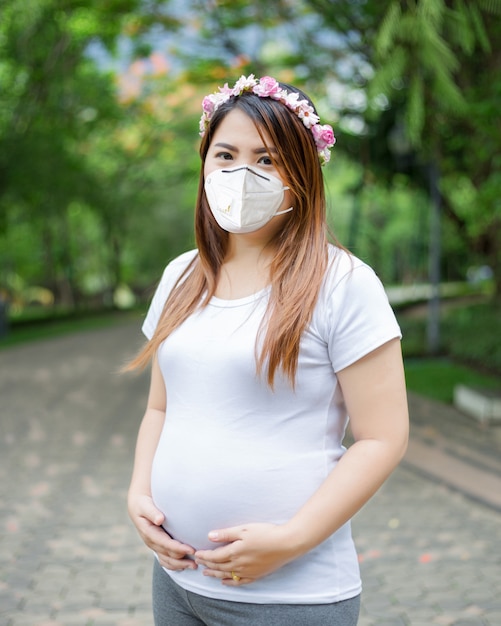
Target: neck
<point x="246" y="268"/>
<point x="248" y="248"/>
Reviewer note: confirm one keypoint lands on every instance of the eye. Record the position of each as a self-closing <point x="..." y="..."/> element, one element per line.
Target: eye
<point x="265" y="160"/>
<point x="226" y="156"/>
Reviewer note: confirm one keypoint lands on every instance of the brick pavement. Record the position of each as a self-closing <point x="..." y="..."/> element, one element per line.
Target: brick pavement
<point x="69" y="555"/>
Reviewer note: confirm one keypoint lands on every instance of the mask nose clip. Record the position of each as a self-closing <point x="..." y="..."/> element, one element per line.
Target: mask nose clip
<point x="248" y="168"/>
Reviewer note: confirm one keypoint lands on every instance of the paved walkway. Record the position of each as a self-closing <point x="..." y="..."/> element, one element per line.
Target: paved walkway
<point x="429" y="553"/>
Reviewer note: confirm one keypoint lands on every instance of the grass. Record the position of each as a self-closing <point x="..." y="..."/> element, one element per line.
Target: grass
<point x="436" y="378"/>
<point x="470" y="351"/>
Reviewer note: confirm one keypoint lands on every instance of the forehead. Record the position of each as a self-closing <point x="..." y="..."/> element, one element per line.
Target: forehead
<point x="238" y="128"/>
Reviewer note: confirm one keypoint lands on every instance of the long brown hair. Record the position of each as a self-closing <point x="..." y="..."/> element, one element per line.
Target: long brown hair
<point x="300" y="260"/>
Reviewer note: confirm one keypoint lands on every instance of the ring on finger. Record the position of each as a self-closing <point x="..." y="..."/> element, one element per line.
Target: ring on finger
<point x="235" y="577"/>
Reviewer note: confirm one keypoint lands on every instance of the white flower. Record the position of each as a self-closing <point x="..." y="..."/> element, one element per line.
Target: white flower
<point x="290" y="99"/>
<point x="307" y="114"/>
<point x="244" y="83"/>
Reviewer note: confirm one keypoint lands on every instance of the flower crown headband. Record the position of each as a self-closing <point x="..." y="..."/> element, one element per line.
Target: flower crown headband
<point x="268" y="87"/>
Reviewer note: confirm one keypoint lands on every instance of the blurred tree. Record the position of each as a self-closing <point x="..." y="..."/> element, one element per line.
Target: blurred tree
<point x="432" y="88"/>
<point x="54" y="102"/>
<point x="471" y="159"/>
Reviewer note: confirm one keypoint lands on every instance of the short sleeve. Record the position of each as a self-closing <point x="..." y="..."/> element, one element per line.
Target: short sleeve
<point x="169" y="278"/>
<point x="358" y="317"/>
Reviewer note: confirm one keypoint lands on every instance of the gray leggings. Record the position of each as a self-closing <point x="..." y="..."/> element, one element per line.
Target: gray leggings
<point x="173" y="606"/>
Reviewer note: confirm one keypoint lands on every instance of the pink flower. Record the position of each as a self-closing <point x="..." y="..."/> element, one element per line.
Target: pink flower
<point x="267" y="87"/>
<point x="208" y="104"/>
<point x="226" y="89"/>
<point x="323" y="135"/>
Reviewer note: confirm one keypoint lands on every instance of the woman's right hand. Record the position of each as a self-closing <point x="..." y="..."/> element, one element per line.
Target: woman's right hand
<point x="148" y="520"/>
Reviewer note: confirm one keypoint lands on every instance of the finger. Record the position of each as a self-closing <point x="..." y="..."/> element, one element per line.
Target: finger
<point x="216" y="573"/>
<point x="217" y="567"/>
<point x="162" y="543"/>
<point x="214" y="562"/>
<point x="227" y="578"/>
<point x="150" y="512"/>
<point x="217" y="556"/>
<point x="176" y="565"/>
<point x="226" y="535"/>
<point x="229" y="582"/>
<point x="175" y="549"/>
<point x="178" y="549"/>
<point x="222" y="568"/>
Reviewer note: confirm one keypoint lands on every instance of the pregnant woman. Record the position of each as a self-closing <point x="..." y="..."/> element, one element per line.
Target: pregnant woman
<point x="263" y="341"/>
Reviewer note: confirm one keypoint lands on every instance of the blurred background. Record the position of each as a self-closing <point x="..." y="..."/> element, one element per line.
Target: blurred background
<point x="99" y="109"/>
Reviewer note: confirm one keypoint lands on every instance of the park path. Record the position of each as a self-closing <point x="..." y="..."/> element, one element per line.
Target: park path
<point x="429" y="541"/>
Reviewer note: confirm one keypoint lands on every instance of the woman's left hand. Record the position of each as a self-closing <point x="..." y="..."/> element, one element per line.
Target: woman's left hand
<point x="251" y="552"/>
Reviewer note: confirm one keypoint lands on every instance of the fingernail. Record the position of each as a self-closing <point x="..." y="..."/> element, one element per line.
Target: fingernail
<point x="213" y="535"/>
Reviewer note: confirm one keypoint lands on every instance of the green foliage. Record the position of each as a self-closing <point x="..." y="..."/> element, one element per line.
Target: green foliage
<point x="477" y="23"/>
<point x="388" y="29"/>
<point x="491" y="6"/>
<point x="413" y="335"/>
<point x="472" y="335"/>
<point x="77" y="165"/>
<point x="381" y="224"/>
<point x="469" y="336"/>
<point x="416" y="109"/>
<point x="412" y="46"/>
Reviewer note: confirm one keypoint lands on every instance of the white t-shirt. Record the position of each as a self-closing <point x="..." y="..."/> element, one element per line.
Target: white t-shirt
<point x="233" y="451"/>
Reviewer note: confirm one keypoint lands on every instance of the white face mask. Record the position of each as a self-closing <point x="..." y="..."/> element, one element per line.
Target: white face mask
<point x="242" y="199"/>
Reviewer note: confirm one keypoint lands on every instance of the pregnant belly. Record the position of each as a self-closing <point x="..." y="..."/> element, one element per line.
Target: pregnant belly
<point x="219" y="484"/>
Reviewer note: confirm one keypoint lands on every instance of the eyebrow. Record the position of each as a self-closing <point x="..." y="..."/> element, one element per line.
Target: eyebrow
<point x="262" y="150"/>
